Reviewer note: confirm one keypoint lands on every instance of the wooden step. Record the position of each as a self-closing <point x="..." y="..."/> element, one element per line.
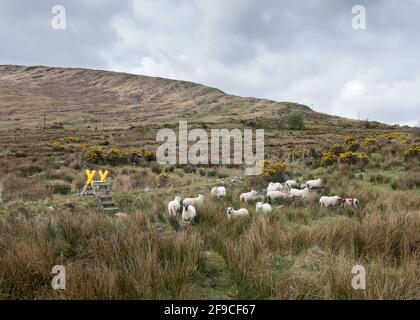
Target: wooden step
<point x="104" y="197"/>
<point x="108" y="202"/>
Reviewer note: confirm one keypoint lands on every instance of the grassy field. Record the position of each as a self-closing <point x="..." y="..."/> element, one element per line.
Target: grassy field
<point x="300" y="251"/>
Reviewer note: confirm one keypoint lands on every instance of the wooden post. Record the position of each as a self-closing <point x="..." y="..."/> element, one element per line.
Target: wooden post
<point x="1" y="192"/>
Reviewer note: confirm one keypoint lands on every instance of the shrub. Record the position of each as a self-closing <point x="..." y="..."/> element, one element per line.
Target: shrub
<point x="295" y="121"/>
<point x="350" y="139"/>
<point x="156" y="168"/>
<point x="95" y="155"/>
<point x="273" y="170"/>
<point x="354" y="147"/>
<point x="353" y="158"/>
<point x="369" y="142"/>
<point x="57" y="146"/>
<point x="337" y="149"/>
<point x="147" y="155"/>
<point x="189" y="168"/>
<point x="328" y="158"/>
<point x="116" y="156"/>
<point x="413" y="151"/>
<point x="392" y="136"/>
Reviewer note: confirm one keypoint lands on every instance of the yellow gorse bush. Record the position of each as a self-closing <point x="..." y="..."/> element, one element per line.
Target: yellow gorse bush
<point x="95" y="155"/>
<point x="328" y="158"/>
<point x="115" y="153"/>
<point x="392" y="136"/>
<point x="413" y="151"/>
<point x="337" y="149"/>
<point x="273" y="169"/>
<point x="369" y="142"/>
<point x="57" y="145"/>
<point x="353" y="157"/>
<point x="350" y="139"/>
<point x="145" y="154"/>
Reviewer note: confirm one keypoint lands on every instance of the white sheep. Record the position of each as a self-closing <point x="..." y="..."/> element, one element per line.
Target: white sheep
<point x="314" y="184"/>
<point x="272" y="195"/>
<point x="249" y="196"/>
<point x="330" y="201"/>
<point x="263" y="207"/>
<point x="195" y="202"/>
<point x="274" y="186"/>
<point x="174" y="206"/>
<point x="188" y="213"/>
<point x="291" y="184"/>
<point x="218" y="192"/>
<point x="297" y="193"/>
<point x="232" y="213"/>
<point x="349" y="202"/>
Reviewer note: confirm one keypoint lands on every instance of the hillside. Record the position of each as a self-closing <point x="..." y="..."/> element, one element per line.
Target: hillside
<point x="77" y="98"/>
<point x="124" y="244"/>
<point x="39" y="105"/>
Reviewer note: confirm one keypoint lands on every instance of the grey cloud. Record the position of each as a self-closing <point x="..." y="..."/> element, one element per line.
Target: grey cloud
<point x="300" y="51"/>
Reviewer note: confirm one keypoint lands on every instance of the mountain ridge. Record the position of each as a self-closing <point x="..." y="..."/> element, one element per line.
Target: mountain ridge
<point x="74" y="97"/>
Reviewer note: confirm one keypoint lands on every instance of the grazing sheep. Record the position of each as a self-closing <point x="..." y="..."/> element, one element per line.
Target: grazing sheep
<point x="291" y="184"/>
<point x="349" y="202"/>
<point x="232" y="213"/>
<point x="188" y="213"/>
<point x="272" y="195"/>
<point x="263" y="207"/>
<point x="274" y="186"/>
<point x="297" y="193"/>
<point x="314" y="184"/>
<point x="249" y="196"/>
<point x="174" y="206"/>
<point x="218" y="192"/>
<point x="330" y="201"/>
<point x="195" y="202"/>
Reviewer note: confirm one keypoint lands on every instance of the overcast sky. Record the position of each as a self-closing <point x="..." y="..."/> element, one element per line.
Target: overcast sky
<point x="300" y="51"/>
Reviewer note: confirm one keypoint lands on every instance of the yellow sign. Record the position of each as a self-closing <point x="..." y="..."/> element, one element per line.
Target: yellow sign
<point x="103" y="175"/>
<point x="90" y="175"/>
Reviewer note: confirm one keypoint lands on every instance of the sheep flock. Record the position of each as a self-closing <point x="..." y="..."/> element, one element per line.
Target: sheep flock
<point x="291" y="189"/>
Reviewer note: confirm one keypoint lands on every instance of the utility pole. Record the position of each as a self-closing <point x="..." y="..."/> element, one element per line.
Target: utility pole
<point x="44" y="119"/>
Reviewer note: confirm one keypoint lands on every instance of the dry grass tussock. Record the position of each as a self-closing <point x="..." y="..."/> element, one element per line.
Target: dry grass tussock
<point x="300" y="251"/>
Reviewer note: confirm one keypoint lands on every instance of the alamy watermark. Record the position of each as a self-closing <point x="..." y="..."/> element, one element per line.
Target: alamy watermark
<point x="359" y="19"/>
<point x="58" y="281"/>
<point x="359" y="280"/>
<point x="220" y="147"/>
<point x="58" y="22"/>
